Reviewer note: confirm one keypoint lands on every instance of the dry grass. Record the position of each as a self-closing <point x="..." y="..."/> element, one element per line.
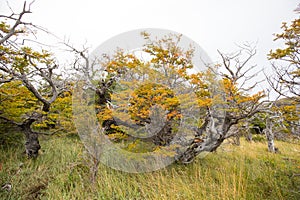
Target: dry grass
<point x="233" y="172"/>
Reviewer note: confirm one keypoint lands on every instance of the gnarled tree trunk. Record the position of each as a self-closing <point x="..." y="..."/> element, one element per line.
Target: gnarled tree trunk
<point x="216" y="127"/>
<point x="32" y="145"/>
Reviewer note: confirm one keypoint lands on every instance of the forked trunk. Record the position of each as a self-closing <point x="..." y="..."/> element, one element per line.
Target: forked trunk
<point x="216" y="127"/>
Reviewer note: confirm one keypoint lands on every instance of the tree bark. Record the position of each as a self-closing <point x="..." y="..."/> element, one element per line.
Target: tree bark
<point x="198" y="146"/>
<point x="215" y="128"/>
<point x="249" y="136"/>
<point x="32" y="145"/>
<point x="164" y="136"/>
<point x="270" y="136"/>
<point x="270" y="139"/>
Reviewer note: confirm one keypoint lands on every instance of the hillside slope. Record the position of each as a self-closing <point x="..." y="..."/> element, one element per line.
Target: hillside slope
<point x="233" y="172"/>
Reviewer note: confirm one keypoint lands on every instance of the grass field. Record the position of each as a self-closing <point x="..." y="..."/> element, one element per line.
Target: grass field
<point x="62" y="171"/>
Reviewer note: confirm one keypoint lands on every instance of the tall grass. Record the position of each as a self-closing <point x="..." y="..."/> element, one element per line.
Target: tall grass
<point x="62" y="171"/>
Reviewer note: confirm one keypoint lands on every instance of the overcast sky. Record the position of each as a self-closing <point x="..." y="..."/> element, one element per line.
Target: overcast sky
<point x="213" y="24"/>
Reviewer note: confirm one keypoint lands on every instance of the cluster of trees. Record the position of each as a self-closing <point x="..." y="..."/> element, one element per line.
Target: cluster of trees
<point x="162" y="97"/>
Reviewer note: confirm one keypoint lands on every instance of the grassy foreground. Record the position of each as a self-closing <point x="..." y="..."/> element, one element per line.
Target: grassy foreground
<point x="233" y="172"/>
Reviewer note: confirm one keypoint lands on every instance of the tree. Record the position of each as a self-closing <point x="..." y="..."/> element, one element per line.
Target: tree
<point x="229" y="104"/>
<point x="126" y="83"/>
<point x="286" y="80"/>
<point x="288" y="114"/>
<point x="207" y="104"/>
<point x="33" y="69"/>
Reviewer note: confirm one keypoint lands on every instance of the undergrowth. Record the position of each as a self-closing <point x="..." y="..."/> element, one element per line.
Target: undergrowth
<point x="62" y="171"/>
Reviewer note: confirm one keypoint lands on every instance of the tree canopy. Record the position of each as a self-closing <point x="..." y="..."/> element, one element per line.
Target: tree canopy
<point x="286" y="80"/>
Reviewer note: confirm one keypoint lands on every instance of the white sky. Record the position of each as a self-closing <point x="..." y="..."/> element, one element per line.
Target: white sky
<point x="213" y="24"/>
